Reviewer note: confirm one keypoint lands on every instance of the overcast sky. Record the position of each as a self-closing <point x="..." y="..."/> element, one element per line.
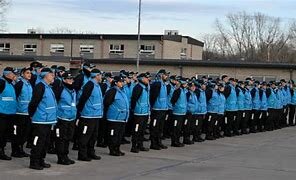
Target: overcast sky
<point x="190" y="17"/>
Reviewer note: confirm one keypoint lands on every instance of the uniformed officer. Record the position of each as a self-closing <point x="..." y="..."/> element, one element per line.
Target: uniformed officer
<point x="201" y="108"/>
<point x="140" y="106"/>
<point x="22" y="121"/>
<point x="117" y="114"/>
<point x="159" y="104"/>
<point x="90" y="112"/>
<point x="213" y="102"/>
<point x="66" y="114"/>
<point x="192" y="109"/>
<point x="102" y="134"/>
<point x="231" y="106"/>
<point x="272" y="102"/>
<point x="56" y="86"/>
<point x="249" y="117"/>
<point x="79" y="81"/>
<point x="42" y="110"/>
<point x="241" y="124"/>
<point x="179" y="102"/>
<point x="168" y="124"/>
<point x="221" y="111"/>
<point x="263" y="107"/>
<point x="8" y="105"/>
<point x="256" y="124"/>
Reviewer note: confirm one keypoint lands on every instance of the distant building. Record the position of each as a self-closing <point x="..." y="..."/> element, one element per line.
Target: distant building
<point x="102" y="46"/>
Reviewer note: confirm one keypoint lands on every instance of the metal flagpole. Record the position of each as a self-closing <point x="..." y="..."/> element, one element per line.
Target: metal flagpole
<point x="139" y="36"/>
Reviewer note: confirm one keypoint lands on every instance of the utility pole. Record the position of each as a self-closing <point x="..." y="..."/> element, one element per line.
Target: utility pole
<point x="139" y="36"/>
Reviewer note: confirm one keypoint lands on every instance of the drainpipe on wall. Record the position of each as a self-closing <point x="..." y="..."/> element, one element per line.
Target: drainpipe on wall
<point x="181" y="70"/>
<point x="71" y="48"/>
<point x="291" y="74"/>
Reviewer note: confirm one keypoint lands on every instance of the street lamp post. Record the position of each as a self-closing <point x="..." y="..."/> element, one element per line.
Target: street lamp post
<point x="139" y="36"/>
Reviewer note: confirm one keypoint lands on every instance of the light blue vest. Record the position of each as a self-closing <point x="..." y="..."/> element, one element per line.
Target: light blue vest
<point x="231" y="104"/>
<point x="143" y="104"/>
<point x="293" y="98"/>
<point x="192" y="104"/>
<point x="280" y="99"/>
<point x="93" y="107"/>
<point x="180" y="107"/>
<point x="241" y="100"/>
<point x="24" y="98"/>
<point x="248" y="100"/>
<point x="202" y="103"/>
<point x="256" y="100"/>
<point x="46" y="112"/>
<point x="222" y="100"/>
<point x="161" y="102"/>
<point x="170" y="106"/>
<point x="8" y="102"/>
<point x="272" y="100"/>
<point x="264" y="105"/>
<point x="67" y="105"/>
<point x="118" y="111"/>
<point x="213" y="103"/>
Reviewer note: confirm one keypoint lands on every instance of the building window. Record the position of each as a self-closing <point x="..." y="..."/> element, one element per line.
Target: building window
<point x="4" y="47"/>
<point x="57" y="48"/>
<point x="30" y="47"/>
<point x="116" y="49"/>
<point x="147" y="48"/>
<point x="86" y="48"/>
<point x="183" y="53"/>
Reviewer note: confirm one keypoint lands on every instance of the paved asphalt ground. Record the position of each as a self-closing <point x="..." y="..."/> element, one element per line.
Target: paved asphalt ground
<point x="269" y="155"/>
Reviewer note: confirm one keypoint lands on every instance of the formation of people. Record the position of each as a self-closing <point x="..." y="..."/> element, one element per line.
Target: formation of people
<point x="47" y="108"/>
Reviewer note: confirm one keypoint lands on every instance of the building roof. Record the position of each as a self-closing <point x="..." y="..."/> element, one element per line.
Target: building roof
<point x="177" y="38"/>
<point x="163" y="62"/>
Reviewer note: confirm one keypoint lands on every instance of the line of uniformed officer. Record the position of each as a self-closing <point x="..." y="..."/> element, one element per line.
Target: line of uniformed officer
<point x="46" y="103"/>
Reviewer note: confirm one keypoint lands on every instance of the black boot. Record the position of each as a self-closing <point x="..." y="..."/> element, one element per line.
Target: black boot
<point x="187" y="141"/>
<point x="70" y="160"/>
<point x="113" y="151"/>
<point x="135" y="149"/>
<point x="63" y="161"/>
<point x="94" y="156"/>
<point x="142" y="148"/>
<point x="154" y="145"/>
<point x="44" y="164"/>
<point x="35" y="164"/>
<point x="120" y="152"/>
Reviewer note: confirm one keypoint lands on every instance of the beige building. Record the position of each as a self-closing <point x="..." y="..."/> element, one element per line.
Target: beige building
<point x="101" y="46"/>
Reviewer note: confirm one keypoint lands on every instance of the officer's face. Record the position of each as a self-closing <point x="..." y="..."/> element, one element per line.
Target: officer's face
<point x="127" y="80"/>
<point x="49" y="78"/>
<point x="69" y="81"/>
<point x="221" y="89"/>
<point x="203" y="87"/>
<point x="119" y="84"/>
<point x="164" y="77"/>
<point x="99" y="77"/>
<point x="192" y="88"/>
<point x="27" y="75"/>
<point x="11" y="76"/>
<point x="145" y="80"/>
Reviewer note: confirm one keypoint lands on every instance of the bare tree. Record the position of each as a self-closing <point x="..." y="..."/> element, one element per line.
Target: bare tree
<point x="252" y="37"/>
